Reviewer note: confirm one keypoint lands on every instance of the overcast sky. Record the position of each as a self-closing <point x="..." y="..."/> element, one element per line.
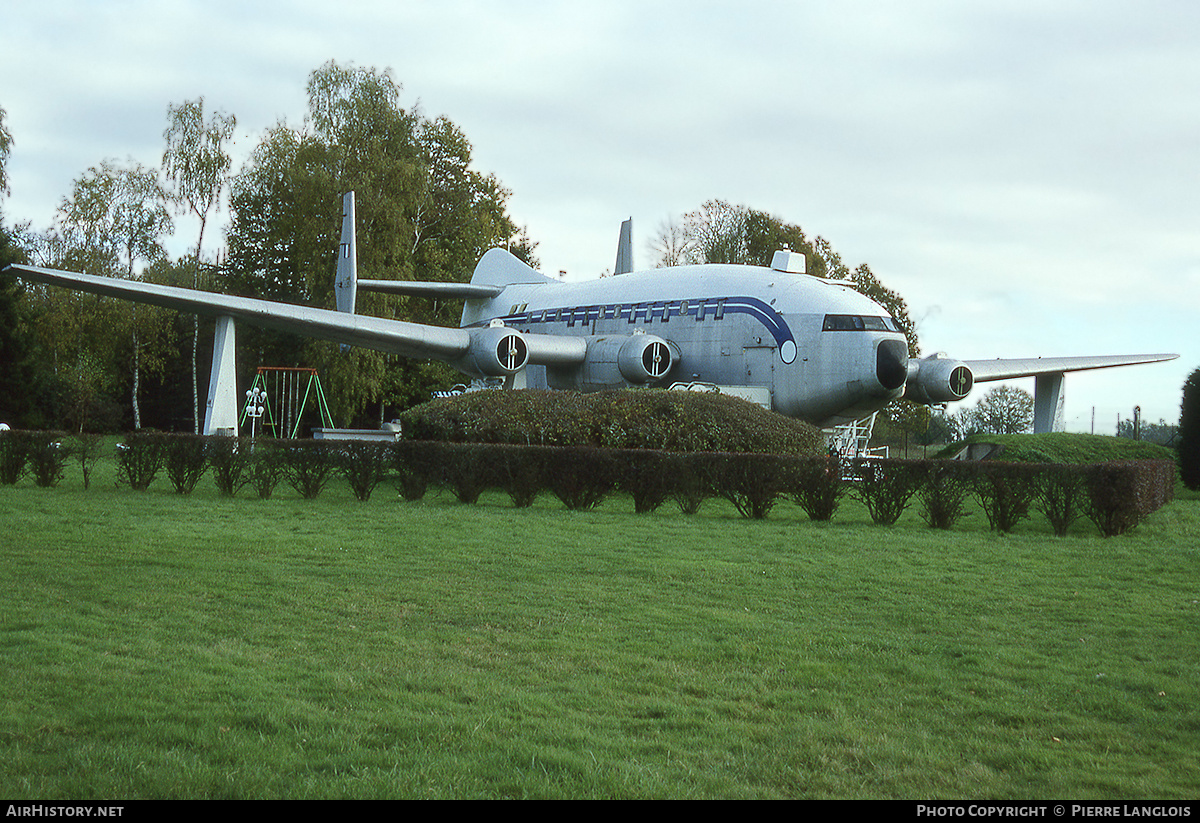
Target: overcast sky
<point x="1025" y="174"/>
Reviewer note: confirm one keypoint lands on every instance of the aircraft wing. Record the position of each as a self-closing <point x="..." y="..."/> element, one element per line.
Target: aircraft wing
<point x="1004" y="369"/>
<point x="392" y="336"/>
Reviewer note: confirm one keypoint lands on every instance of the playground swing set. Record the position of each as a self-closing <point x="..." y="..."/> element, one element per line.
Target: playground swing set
<point x="277" y="400"/>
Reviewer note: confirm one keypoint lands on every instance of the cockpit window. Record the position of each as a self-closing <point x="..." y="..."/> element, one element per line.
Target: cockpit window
<point x="854" y="322"/>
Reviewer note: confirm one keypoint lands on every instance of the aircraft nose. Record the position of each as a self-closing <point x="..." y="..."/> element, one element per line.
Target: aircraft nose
<point x="891" y="363"/>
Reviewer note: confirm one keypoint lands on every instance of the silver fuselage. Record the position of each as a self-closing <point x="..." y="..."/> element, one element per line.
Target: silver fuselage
<point x="732" y="326"/>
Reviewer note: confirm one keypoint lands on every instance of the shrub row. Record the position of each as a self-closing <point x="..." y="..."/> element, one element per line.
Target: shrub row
<point x="44" y="454"/>
<point x="1116" y="496"/>
<point x="306" y="465"/>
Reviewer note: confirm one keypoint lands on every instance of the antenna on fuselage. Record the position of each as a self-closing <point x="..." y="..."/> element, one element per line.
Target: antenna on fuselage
<point x="625" y="249"/>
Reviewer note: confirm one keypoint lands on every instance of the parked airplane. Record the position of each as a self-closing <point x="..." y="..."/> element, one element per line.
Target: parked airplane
<point x="809" y="348"/>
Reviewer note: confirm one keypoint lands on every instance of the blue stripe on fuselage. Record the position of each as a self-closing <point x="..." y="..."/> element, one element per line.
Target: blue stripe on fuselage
<point x="703" y="308"/>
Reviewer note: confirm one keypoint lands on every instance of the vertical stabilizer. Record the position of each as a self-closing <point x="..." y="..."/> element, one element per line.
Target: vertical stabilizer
<point x="625" y="249"/>
<point x="345" y="282"/>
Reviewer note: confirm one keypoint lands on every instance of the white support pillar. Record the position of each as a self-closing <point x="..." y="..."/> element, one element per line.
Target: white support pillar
<point x="221" y="413"/>
<point x="1047" y="398"/>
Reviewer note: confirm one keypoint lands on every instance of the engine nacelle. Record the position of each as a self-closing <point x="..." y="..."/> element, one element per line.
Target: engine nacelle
<point x="617" y="362"/>
<point x="938" y="379"/>
<point x="494" y="352"/>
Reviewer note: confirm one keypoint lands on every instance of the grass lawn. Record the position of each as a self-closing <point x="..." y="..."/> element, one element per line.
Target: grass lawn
<point x="203" y="647"/>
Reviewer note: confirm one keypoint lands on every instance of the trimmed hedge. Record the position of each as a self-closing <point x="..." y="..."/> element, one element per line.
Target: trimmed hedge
<point x="1116" y="496"/>
<point x="674" y="421"/>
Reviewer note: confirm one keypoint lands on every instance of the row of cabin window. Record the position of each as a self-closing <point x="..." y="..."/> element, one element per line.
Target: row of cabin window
<point x="647" y="311"/>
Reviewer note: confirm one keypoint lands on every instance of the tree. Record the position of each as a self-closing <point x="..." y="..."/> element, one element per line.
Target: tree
<point x="121" y="211"/>
<point x="1003" y="410"/>
<point x="1189" y="432"/>
<point x="671" y="245"/>
<point x="423" y="213"/>
<point x="18" y="372"/>
<point x="6" y="142"/>
<point x="196" y="165"/>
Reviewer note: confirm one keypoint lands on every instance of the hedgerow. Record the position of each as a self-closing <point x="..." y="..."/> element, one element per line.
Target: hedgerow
<point x="1116" y="496"/>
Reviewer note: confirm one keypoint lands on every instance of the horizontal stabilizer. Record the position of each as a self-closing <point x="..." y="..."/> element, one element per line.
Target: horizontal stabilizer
<point x="1006" y="369"/>
<point x="431" y="288"/>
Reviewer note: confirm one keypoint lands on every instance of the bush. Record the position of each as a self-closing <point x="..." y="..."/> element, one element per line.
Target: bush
<point x="626" y="419"/>
<point x="817" y="486"/>
<point x="186" y="457"/>
<point x="14" y="455"/>
<point x="646" y="476"/>
<point x="308" y="465"/>
<point x="1005" y="491"/>
<point x="945" y="487"/>
<point x="885" y="487"/>
<point x="468" y="469"/>
<point x="417" y="464"/>
<point x="264" y="469"/>
<point x="753" y="483"/>
<point x="47" y="457"/>
<point x="364" y="464"/>
<point x="688" y="489"/>
<point x="139" y="458"/>
<point x="520" y="471"/>
<point x="1062" y="493"/>
<point x="578" y="476"/>
<point x="86" y="449"/>
<point x="1121" y="495"/>
<point x="229" y="457"/>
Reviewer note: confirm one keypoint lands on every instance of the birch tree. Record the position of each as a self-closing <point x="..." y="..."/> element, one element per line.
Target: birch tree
<point x="196" y="165"/>
<point x="122" y="209"/>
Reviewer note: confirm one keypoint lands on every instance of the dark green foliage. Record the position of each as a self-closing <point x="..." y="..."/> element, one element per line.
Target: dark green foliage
<point x="1120" y="495"/>
<point x="423" y="213"/>
<point x="265" y="467"/>
<point x="520" y="472"/>
<point x="647" y="477"/>
<point x="417" y="464"/>
<point x="469" y="469"/>
<point x="229" y="457"/>
<point x="1189" y="432"/>
<point x="886" y="486"/>
<point x="753" y="483"/>
<point x="14" y="456"/>
<point x="86" y="449"/>
<point x="187" y="460"/>
<point x="308" y="465"/>
<point x="1062" y="492"/>
<point x="140" y="458"/>
<point x="628" y="419"/>
<point x="364" y="464"/>
<point x="817" y="486"/>
<point x="47" y="457"/>
<point x="1005" y="491"/>
<point x="945" y="487"/>
<point x="688" y="489"/>
<point x="579" y="476"/>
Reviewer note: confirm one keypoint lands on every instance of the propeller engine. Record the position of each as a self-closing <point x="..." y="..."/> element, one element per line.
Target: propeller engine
<point x="938" y="379"/>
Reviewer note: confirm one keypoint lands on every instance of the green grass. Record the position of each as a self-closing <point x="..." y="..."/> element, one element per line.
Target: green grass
<point x="164" y="646"/>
